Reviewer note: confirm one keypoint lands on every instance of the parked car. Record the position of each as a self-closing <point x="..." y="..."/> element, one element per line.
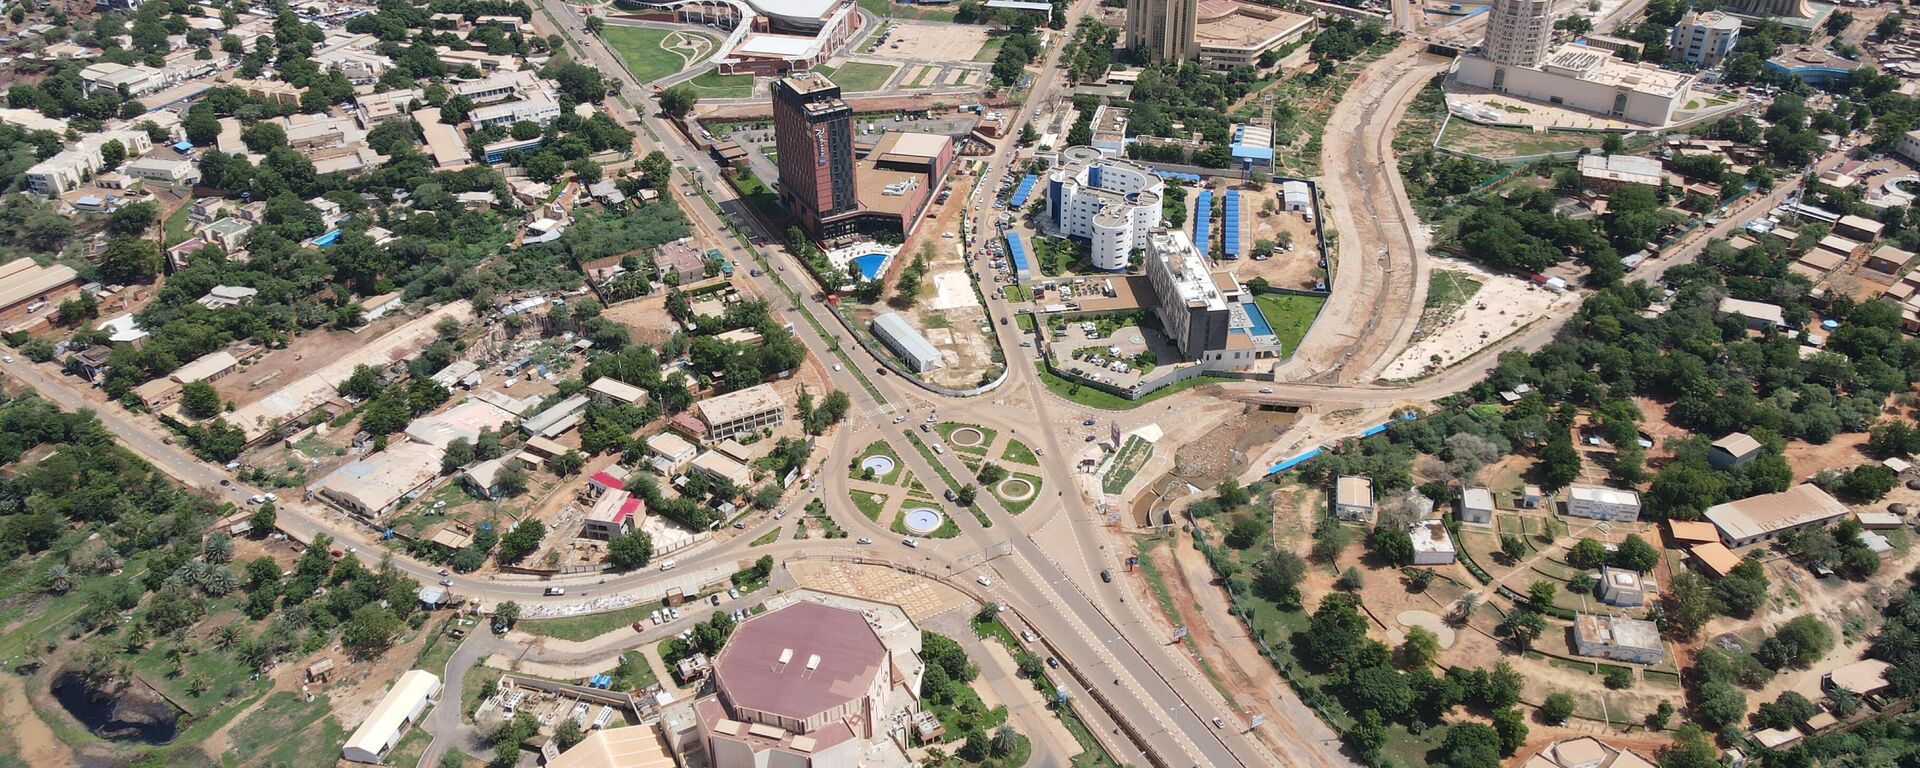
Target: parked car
<point x="555" y="591"/>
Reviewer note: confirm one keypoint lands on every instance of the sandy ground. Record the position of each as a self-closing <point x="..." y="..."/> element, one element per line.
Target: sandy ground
<point x="915" y="41"/>
<point x="1502" y="306"/>
<point x="646" y="317"/>
<point x="38" y="745"/>
<point x="308" y="353"/>
<point x="919" y="597"/>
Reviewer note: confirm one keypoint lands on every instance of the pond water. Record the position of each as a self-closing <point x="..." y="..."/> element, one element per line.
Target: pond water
<point x="102" y="714"/>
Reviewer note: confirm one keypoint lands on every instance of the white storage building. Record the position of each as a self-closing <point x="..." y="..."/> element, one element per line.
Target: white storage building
<point x="899" y="336"/>
<point x="403" y="705"/>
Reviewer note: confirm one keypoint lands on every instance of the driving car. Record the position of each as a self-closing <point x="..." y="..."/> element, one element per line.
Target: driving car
<point x="555" y="591"/>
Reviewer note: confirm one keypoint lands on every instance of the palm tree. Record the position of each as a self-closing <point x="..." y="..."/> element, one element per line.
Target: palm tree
<point x="58" y="581"/>
<point x="1463" y="608"/>
<point x="198" y="685"/>
<point x="937" y="757"/>
<point x="226" y="636"/>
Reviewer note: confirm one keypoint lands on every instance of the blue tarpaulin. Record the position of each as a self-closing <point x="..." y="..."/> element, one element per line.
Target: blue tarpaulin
<point x="1203" y="219"/>
<point x="1025" y="190"/>
<point x="182" y="146"/>
<point x="1295" y="461"/>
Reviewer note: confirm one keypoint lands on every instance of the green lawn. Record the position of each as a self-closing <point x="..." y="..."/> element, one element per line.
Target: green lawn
<point x="408" y="751"/>
<point x="756" y="192"/>
<point x="716" y="86"/>
<point x="870" y="504"/>
<point x="1290" y="316"/>
<point x="1133" y="454"/>
<point x="1100" y="398"/>
<point x="634" y="672"/>
<point x="640" y="48"/>
<point x="947" y="429"/>
<point x="1018" y="453"/>
<point x="991" y="50"/>
<point x="892" y="10"/>
<point x="278" y="729"/>
<point x="878" y="448"/>
<point x="176" y="227"/>
<point x="589" y="626"/>
<point x="856" y="76"/>
<point x="1017" y="507"/>
<point x="920" y="80"/>
<point x="766" y="538"/>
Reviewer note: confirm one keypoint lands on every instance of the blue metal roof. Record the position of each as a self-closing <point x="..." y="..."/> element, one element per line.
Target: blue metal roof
<point x="1017" y="253"/>
<point x="1295" y="461"/>
<point x="1022" y="192"/>
<point x="1250" y="152"/>
<point x="1203" y="219"/>
<point x="1178" y="176"/>
<point x="1230" y="237"/>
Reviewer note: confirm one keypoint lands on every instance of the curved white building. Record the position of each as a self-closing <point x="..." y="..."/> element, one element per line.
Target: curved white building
<point x="1109" y="202"/>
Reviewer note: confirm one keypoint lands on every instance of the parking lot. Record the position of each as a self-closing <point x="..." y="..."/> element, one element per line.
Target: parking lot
<point x="1121" y="358"/>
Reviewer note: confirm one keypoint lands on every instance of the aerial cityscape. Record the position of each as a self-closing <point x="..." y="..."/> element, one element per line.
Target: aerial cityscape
<point x="959" y="383"/>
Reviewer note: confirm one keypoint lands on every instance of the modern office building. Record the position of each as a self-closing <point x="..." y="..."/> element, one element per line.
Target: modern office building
<point x="1164" y="29"/>
<point x="913" y="348"/>
<point x="1205" y="313"/>
<point x="1111" y="202"/>
<point x="813" y="131"/>
<point x="1519" y="32"/>
<point x="827" y="186"/>
<point x="1234" y="34"/>
<point x="1704" y="39"/>
<point x="746" y="410"/>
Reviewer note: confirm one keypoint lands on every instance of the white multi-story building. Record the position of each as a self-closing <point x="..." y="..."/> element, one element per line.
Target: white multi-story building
<point x="1110" y="202"/>
<point x="71" y="167"/>
<point x="1705" y="39"/>
<point x="538" y="107"/>
<point x="1207" y="314"/>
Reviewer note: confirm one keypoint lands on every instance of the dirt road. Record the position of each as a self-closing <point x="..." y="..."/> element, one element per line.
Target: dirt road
<point x="1380" y="276"/>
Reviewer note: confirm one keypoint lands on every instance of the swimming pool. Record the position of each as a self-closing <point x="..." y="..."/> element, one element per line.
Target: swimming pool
<point x="870" y="264"/>
<point x="1260" y="326"/>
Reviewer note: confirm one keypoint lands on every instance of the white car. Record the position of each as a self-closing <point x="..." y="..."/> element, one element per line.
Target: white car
<point x="1266" y="390"/>
<point x="984" y="581"/>
<point x="911" y="543"/>
<point x="555" y="591"/>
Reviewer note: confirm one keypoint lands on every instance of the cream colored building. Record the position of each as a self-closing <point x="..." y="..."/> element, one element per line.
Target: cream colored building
<point x="1519" y="32"/>
<point x="1582" y="78"/>
<point x="1164" y="29"/>
<point x="745" y="410"/>
<point x="1232" y="34"/>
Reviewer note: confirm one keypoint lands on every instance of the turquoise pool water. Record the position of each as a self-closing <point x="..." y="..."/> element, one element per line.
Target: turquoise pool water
<point x="870" y="264"/>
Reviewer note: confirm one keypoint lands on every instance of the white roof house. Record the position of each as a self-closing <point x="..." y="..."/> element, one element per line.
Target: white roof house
<point x="1431" y="544"/>
<point x="403" y="704"/>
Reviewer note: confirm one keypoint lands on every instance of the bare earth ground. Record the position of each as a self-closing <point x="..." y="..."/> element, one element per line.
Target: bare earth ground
<point x="646" y="317"/>
<point x="306" y="354"/>
<point x="1504" y="304"/>
<point x="917" y="41"/>
<point x="1381" y="277"/>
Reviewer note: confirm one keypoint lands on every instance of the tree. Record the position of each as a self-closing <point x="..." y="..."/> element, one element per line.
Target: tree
<point x="1392" y="544"/>
<point x="1512" y="729"/>
<point x="362" y="384"/>
<point x="1559" y="462"/>
<point x="595" y="24"/>
<point x="1557" y="708"/>
<point x="1867" y="482"/>
<point x="218" y="548"/>
<point x="1635" y="554"/>
<point x="1512" y="547"/>
<point x="265" y="518"/>
<point x="1420" y="648"/>
<point x="512" y="479"/>
<point x="370" y="631"/>
<point x="521" y="541"/>
<point x="630" y="551"/>
<point x="1005" y="741"/>
<point x="1329" y="538"/>
<point x="1350" y="580"/>
<point x="1686" y="605"/>
<point x="1523" y="627"/>
<point x="128" y="260"/>
<point x="568" y="464"/>
<point x="568" y="732"/>
<point x="1381" y="689"/>
<point x="677" y="101"/>
<point x="1797" y="644"/>
<point x="1471" y="745"/>
<point x="1587" y="553"/>
<point x="1277" y="575"/>
<point x="1540" y="593"/>
<point x="1661" y="714"/>
<point x="133" y="219"/>
<point x="507" y="613"/>
<point x="199" y="400"/>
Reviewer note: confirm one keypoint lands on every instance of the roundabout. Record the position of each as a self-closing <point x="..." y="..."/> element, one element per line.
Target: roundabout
<point x="922" y="521"/>
<point x="1015" y="489"/>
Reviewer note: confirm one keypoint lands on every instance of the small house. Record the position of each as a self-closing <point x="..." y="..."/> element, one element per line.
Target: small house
<point x="1618" y="638"/>
<point x="1353" y="498"/>
<point x="1431" y="544"/>
<point x="1601" y="503"/>
<point x="1623" y="588"/>
<point x="1476" y="506"/>
<point x="1734" y="450"/>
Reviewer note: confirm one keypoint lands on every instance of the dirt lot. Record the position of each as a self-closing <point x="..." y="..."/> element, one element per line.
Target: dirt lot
<point x="305" y="355"/>
<point x="646" y="317"/>
<point x="919" y="41"/>
<point x="1502" y="305"/>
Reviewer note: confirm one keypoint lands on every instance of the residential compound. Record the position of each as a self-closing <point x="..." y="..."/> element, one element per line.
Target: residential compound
<point x="72" y="167"/>
<point x="1111" y="202"/>
<point x="1205" y="313"/>
<point x="1517" y="60"/>
<point x="820" y="682"/>
<point x="835" y="194"/>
